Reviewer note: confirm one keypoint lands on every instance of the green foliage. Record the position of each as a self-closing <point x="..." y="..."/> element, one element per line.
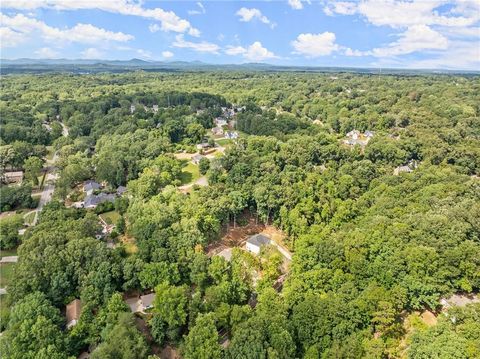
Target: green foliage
<point x="202" y="340"/>
<point x="9" y="237"/>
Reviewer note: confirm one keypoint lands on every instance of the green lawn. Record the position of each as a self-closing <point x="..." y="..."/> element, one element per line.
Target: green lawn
<point x="111" y="217"/>
<point x="224" y="142"/>
<point x="190" y="173"/>
<point x="8" y="252"/>
<point x="6" y="271"/>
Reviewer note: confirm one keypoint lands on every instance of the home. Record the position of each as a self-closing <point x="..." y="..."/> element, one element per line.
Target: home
<point x="219" y="121"/>
<point x="231" y="135"/>
<point x="132" y="108"/>
<point x="13" y="177"/>
<point x="196" y="159"/>
<point x="121" y="190"/>
<point x="155" y="108"/>
<point x="203" y="146"/>
<point x="226" y="254"/>
<point x="91" y="186"/>
<point x="402" y="169"/>
<point x="256" y="242"/>
<point x="459" y="300"/>
<point x="72" y="313"/>
<point x="369" y="134"/>
<point x="354" y="134"/>
<point x="217" y="130"/>
<point x="92" y="201"/>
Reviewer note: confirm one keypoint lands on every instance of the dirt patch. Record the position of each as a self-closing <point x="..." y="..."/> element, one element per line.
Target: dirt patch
<point x="170" y="352"/>
<point x="429" y="318"/>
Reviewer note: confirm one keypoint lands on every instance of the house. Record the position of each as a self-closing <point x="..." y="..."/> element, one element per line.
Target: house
<point x="256" y="242"/>
<point x="13" y="177"/>
<point x="196" y="159"/>
<point x="132" y="108"/>
<point x="217" y="130"/>
<point x="155" y="108"/>
<point x="354" y="134"/>
<point x="459" y="300"/>
<point x="368" y="134"/>
<point x="121" y="190"/>
<point x="219" y="121"/>
<point x="203" y="146"/>
<point x="226" y="254"/>
<point x="146" y="301"/>
<point x="91" y="186"/>
<point x="402" y="169"/>
<point x="92" y="201"/>
<point x="231" y="135"/>
<point x="72" y="313"/>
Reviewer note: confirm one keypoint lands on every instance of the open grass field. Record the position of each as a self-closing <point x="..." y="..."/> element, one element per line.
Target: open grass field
<point x="6" y="271"/>
<point x="28" y="219"/>
<point x="190" y="173"/>
<point x="110" y="217"/>
<point x="8" y="252"/>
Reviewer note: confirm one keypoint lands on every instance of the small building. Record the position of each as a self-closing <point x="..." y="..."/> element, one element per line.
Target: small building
<point x="231" y="135"/>
<point x="13" y="177"/>
<point x="402" y="169"/>
<point x="226" y="254"/>
<point x="219" y="121"/>
<point x="354" y="134"/>
<point x="155" y="108"/>
<point x="146" y="301"/>
<point x="196" y="159"/>
<point x="92" y="201"/>
<point x="91" y="186"/>
<point x="369" y="134"/>
<point x="256" y="242"/>
<point x="121" y="190"/>
<point x="132" y="109"/>
<point x="217" y="130"/>
<point x="72" y="313"/>
<point x="203" y="146"/>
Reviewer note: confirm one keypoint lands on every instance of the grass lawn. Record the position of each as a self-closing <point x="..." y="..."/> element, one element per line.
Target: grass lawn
<point x="29" y="218"/>
<point x="190" y="173"/>
<point x="8" y="252"/>
<point x="224" y="142"/>
<point x="110" y="217"/>
<point x="6" y="271"/>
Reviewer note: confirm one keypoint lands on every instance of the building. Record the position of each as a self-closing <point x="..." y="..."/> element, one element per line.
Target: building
<point x="203" y="146"/>
<point x="121" y="190"/>
<point x="354" y="134"/>
<point x="92" y="201"/>
<point x="91" y="186"/>
<point x="368" y="134"/>
<point x="13" y="177"/>
<point x="231" y="135"/>
<point x="226" y="254"/>
<point x="217" y="130"/>
<point x="255" y="243"/>
<point x="219" y="121"/>
<point x="132" y="108"/>
<point x="402" y="169"/>
<point x="72" y="313"/>
<point x="155" y="108"/>
<point x="196" y="159"/>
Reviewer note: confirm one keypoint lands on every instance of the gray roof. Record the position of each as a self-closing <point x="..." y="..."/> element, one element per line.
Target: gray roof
<point x="91" y="185"/>
<point x="121" y="190"/>
<point x="259" y="240"/>
<point x="94" y="200"/>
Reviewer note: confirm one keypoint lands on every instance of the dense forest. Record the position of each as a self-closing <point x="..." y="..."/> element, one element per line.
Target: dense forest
<point x="380" y="231"/>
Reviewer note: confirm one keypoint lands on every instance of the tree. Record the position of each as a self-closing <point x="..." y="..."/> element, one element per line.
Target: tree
<point x="204" y="165"/>
<point x="9" y="237"/>
<point x="202" y="340"/>
<point x="171" y="304"/>
<point x="32" y="166"/>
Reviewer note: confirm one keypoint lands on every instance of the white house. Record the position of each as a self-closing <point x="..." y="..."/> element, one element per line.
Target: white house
<point x="255" y="243"/>
<point x="220" y="121"/>
<point x="132" y="108"/>
<point x="72" y="312"/>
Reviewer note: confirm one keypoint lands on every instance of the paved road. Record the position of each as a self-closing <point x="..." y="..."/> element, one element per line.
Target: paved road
<point x="9" y="259"/>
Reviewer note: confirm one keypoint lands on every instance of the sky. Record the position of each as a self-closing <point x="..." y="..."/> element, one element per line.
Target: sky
<point x="364" y="33"/>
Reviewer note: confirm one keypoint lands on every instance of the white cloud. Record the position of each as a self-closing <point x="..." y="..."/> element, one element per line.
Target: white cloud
<point x="11" y="38"/>
<point x="254" y="52"/>
<point x="47" y="53"/>
<point x="144" y="54"/>
<point x="340" y="7"/>
<point x="315" y="45"/>
<point x="295" y="4"/>
<point x="92" y="53"/>
<point x="247" y="15"/>
<point x="81" y="33"/>
<point x="198" y="12"/>
<point x="202" y="46"/>
<point x="169" y="21"/>
<point x="154" y="27"/>
<point x="167" y="54"/>
<point x="461" y="55"/>
<point x="415" y="38"/>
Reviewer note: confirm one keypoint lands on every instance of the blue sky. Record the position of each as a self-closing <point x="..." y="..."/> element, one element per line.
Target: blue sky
<point x="363" y="33"/>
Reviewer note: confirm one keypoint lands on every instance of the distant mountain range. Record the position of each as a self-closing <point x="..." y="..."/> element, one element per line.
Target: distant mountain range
<point x="81" y="66"/>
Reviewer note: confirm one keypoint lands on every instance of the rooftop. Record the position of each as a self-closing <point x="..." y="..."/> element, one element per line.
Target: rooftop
<point x="259" y="240"/>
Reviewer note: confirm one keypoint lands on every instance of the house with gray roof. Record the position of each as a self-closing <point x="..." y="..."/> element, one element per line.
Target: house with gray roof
<point x="256" y="242"/>
<point x="92" y="201"/>
<point x="90" y="186"/>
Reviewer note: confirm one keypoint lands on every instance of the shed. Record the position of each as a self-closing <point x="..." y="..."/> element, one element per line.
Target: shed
<point x="13" y="177"/>
<point x="256" y="242"/>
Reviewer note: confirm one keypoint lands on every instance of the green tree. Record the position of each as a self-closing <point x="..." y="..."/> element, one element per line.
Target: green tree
<point x="202" y="340"/>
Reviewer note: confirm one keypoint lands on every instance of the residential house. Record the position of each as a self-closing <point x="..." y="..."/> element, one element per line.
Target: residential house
<point x="92" y="201"/>
<point x="121" y="190"/>
<point x="217" y="130"/>
<point x="219" y="121"/>
<point x="203" y="146"/>
<point x="402" y="169"/>
<point x="231" y="135"/>
<point x="13" y="177"/>
<point x="196" y="159"/>
<point x="91" y="186"/>
<point x="72" y="312"/>
<point x="369" y="134"/>
<point x="354" y="134"/>
<point x="256" y="242"/>
<point x="155" y="108"/>
<point x="132" y="109"/>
